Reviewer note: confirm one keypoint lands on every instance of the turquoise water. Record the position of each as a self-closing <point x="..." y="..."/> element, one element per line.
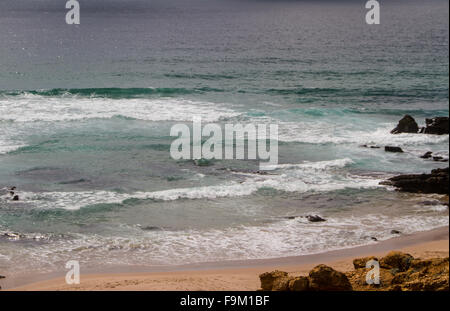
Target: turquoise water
<point x="86" y="113"/>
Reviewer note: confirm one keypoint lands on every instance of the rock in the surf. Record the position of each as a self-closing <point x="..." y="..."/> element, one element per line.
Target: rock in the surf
<point x="436" y="126"/>
<point x="436" y="182"/>
<point x="406" y="125"/>
<point x="393" y="149"/>
<point x="315" y="218"/>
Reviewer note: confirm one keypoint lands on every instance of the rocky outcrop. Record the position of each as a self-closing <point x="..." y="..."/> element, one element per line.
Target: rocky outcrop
<point x="321" y="278"/>
<point x="398" y="271"/>
<point x="436" y="126"/>
<point x="406" y="125"/>
<point x="436" y="182"/>
<point x="393" y="149"/>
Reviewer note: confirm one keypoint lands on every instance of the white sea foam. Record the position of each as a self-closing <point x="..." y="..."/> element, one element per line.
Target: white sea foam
<point x="29" y="108"/>
<point x="278" y="239"/>
<point x="304" y="178"/>
<point x="324" y="132"/>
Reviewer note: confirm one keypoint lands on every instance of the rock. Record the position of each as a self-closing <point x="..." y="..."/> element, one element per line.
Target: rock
<point x="315" y="218"/>
<point x="281" y="284"/>
<point x="324" y="278"/>
<point x="406" y="125"/>
<point x="2" y="277"/>
<point x="299" y="284"/>
<point x="424" y="275"/>
<point x="267" y="279"/>
<point x="427" y="155"/>
<point x="373" y="238"/>
<point x="436" y="182"/>
<point x="360" y="263"/>
<point x="436" y="126"/>
<point x="396" y="260"/>
<point x="392" y="149"/>
<point x="15" y="198"/>
<point x="395" y="232"/>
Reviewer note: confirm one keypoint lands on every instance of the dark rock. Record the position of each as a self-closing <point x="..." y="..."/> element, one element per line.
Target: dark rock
<point x="436" y="182"/>
<point x="324" y="278"/>
<point x="15" y="198"/>
<point x="392" y="149"/>
<point x="406" y="125"/>
<point x="395" y="232"/>
<point x="315" y="218"/>
<point x="151" y="228"/>
<point x="2" y="277"/>
<point x="437" y="126"/>
<point x="427" y="155"/>
<point x="373" y="238"/>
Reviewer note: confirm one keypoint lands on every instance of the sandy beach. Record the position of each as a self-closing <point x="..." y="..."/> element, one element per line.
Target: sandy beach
<point x="243" y="275"/>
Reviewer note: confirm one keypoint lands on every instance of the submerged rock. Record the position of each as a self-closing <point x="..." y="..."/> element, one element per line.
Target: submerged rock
<point x="406" y="125"/>
<point x="393" y="149"/>
<point x="436" y="182"/>
<point x="436" y="126"/>
<point x="427" y="155"/>
<point x="395" y="232"/>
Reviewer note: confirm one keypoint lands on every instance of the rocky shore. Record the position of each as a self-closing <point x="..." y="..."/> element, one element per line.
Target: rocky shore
<point x="397" y="272"/>
<point x="436" y="182"/>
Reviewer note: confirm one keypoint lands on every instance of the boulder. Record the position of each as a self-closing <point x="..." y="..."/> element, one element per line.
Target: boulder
<point x="436" y="126"/>
<point x="396" y="260"/>
<point x="268" y="279"/>
<point x="393" y="149"/>
<point x="324" y="278"/>
<point x="406" y="125"/>
<point x="299" y="284"/>
<point x="436" y="182"/>
<point x="360" y="263"/>
<point x="427" y="155"/>
<point x="315" y="218"/>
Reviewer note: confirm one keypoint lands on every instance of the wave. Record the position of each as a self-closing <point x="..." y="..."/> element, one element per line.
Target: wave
<point x="306" y="177"/>
<point x="114" y="93"/>
<point x="31" y="108"/>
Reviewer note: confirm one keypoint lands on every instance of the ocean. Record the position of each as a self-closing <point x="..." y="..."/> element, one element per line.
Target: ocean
<point x="86" y="112"/>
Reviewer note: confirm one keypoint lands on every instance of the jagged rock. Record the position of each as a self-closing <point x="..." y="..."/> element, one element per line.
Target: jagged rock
<point x="428" y="275"/>
<point x="359" y="263"/>
<point x="324" y="278"/>
<point x="268" y="278"/>
<point x="436" y="182"/>
<point x="437" y="126"/>
<point x="393" y="149"/>
<point x="427" y="155"/>
<point x="396" y="260"/>
<point x="299" y="284"/>
<point x="315" y="218"/>
<point x="281" y="284"/>
<point x="406" y="125"/>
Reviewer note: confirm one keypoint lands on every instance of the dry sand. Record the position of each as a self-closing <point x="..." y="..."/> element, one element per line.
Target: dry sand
<point x="243" y="275"/>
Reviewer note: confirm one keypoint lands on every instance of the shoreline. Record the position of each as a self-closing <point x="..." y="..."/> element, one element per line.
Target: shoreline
<point x="231" y="275"/>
